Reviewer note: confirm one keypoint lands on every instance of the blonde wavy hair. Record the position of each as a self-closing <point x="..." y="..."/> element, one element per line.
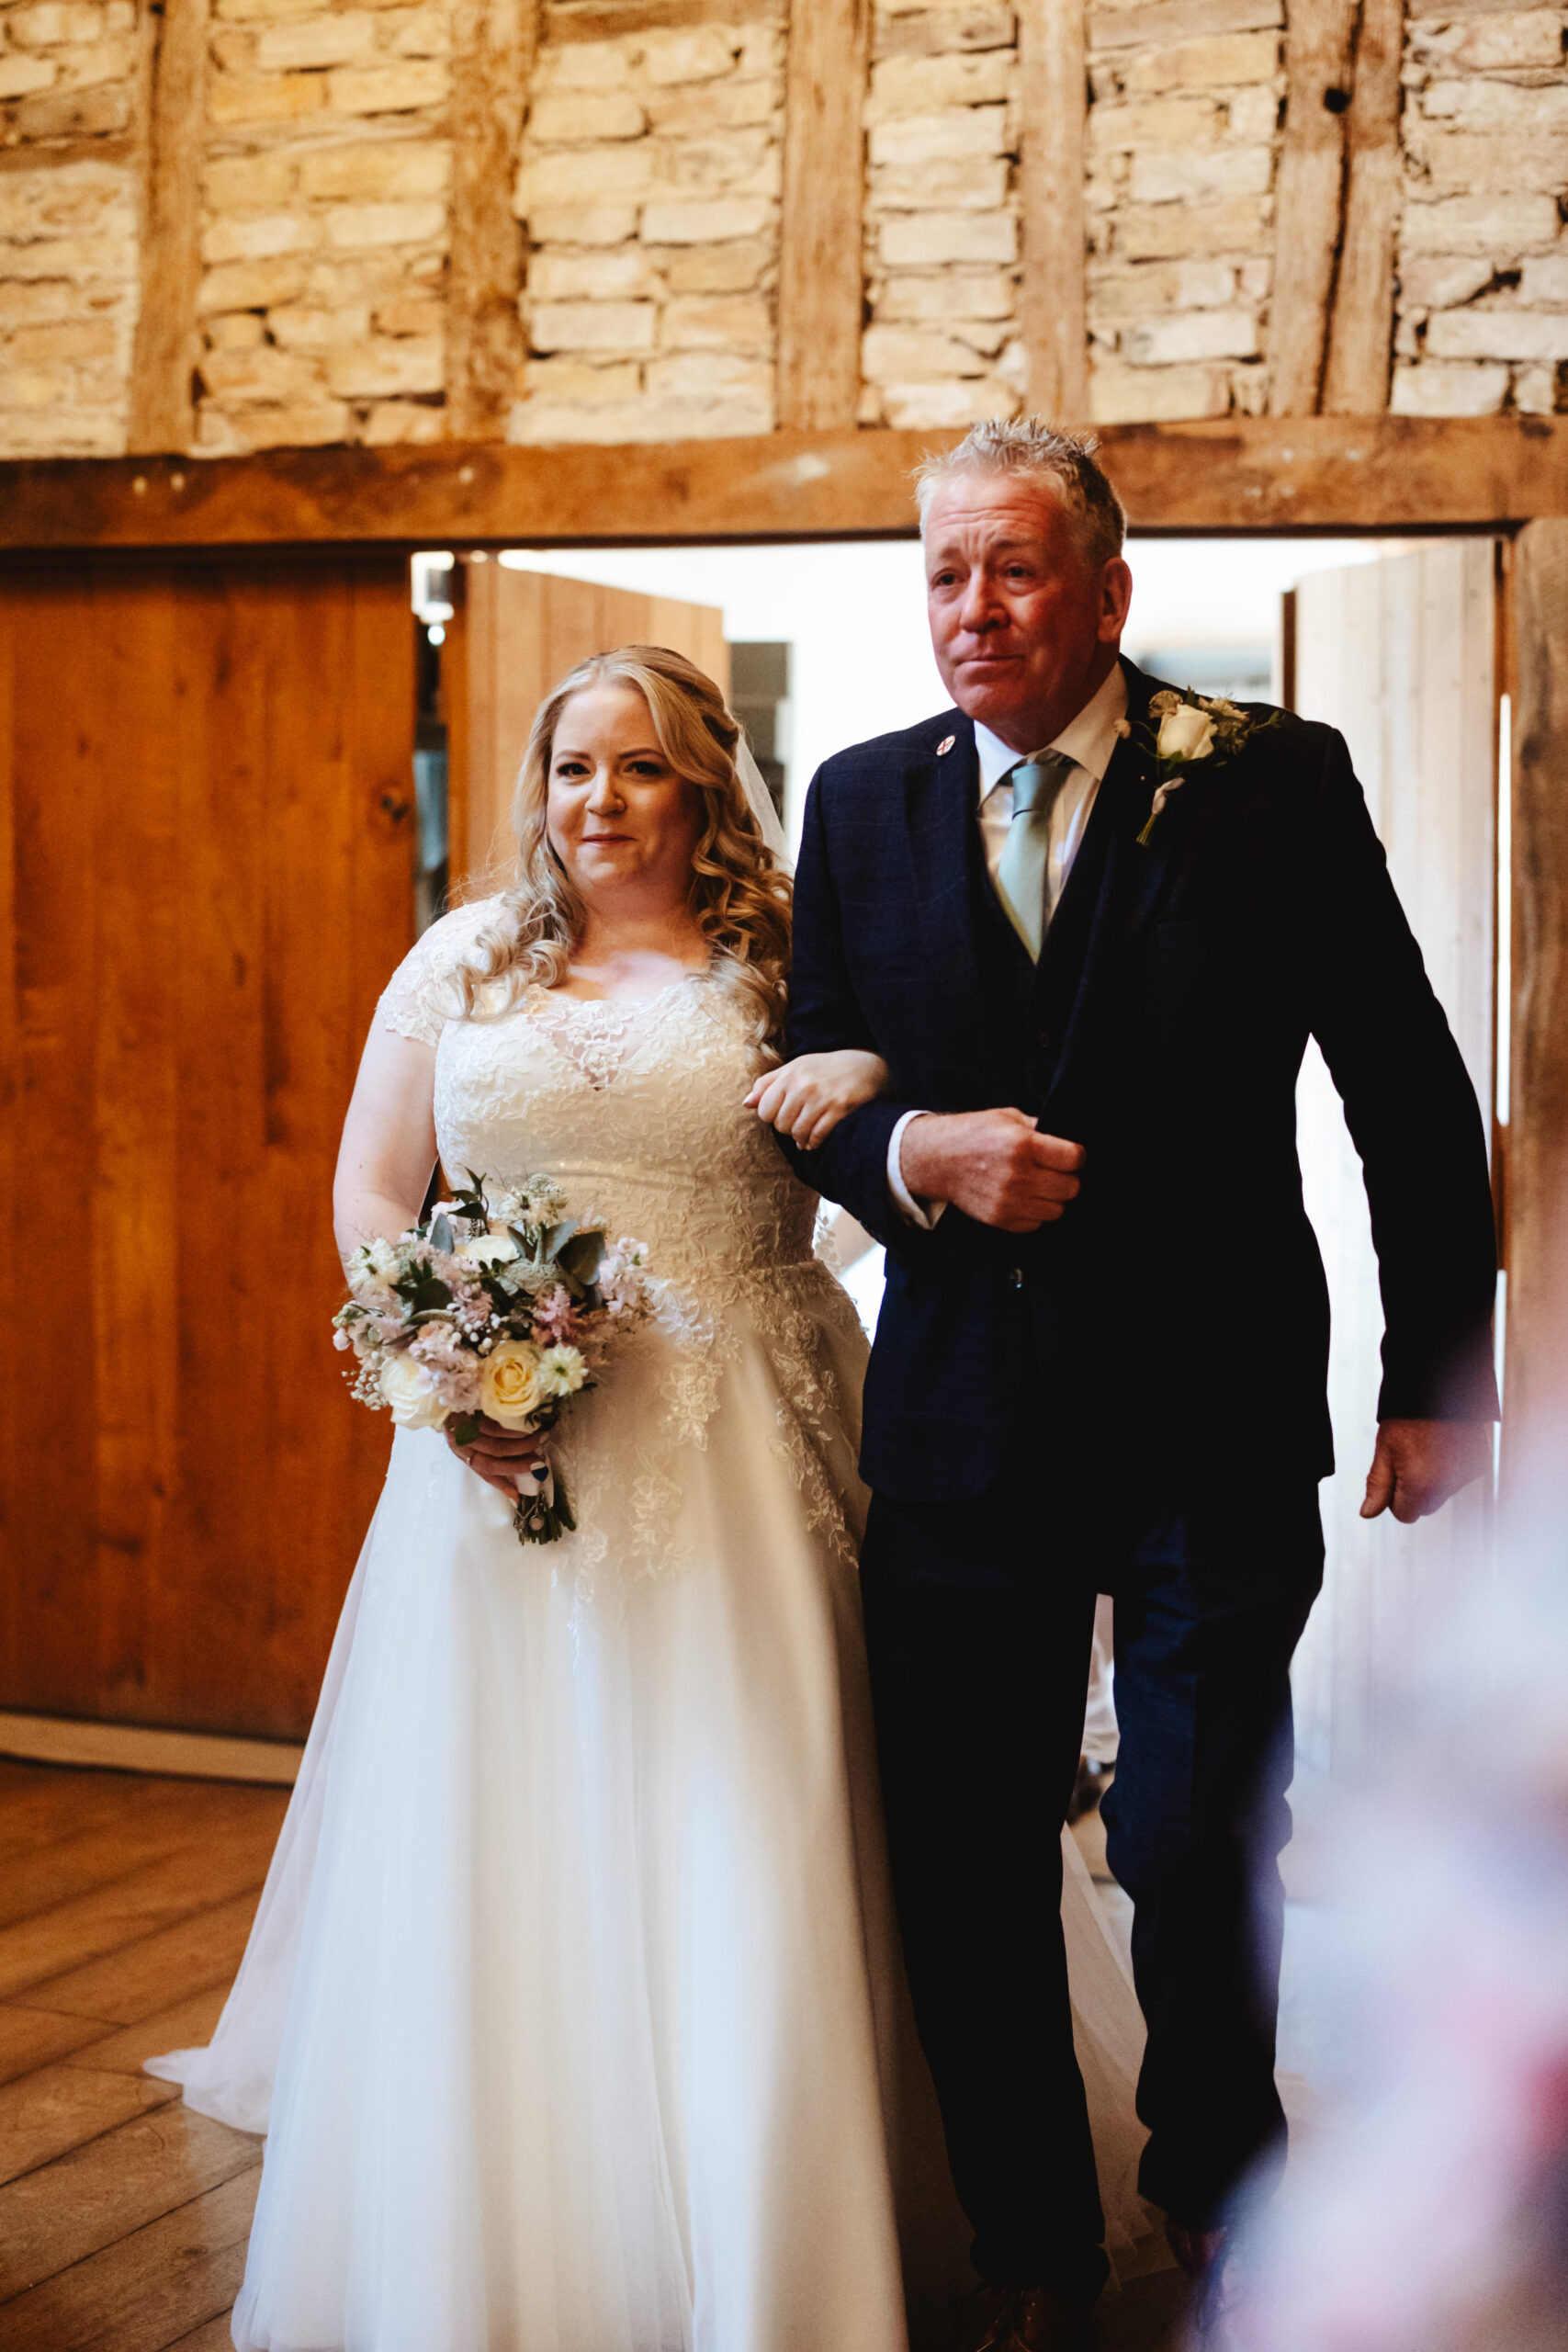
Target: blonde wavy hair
<point x="739" y="896"/>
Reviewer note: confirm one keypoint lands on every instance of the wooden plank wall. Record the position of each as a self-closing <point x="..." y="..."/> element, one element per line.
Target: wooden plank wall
<point x="1399" y="655"/>
<point x="206" y="767"/>
<point x="515" y="634"/>
<point x="1537" y="1190"/>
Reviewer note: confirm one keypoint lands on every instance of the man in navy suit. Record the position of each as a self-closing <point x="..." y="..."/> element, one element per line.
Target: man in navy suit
<point x="1102" y="1356"/>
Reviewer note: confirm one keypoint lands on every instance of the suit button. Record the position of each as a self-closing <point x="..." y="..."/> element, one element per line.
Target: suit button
<point x="1015" y="1276"/>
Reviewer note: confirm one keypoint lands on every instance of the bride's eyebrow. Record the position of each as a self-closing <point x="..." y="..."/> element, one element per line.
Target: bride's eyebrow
<point x="650" y="752"/>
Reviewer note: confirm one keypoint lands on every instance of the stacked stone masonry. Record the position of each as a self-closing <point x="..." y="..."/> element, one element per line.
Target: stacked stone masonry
<point x="942" y="216"/>
<point x="1482" y="317"/>
<point x="649" y="192"/>
<point x="645" y="198"/>
<point x="323" y="237"/>
<point x="1184" y="148"/>
<point x="69" y="263"/>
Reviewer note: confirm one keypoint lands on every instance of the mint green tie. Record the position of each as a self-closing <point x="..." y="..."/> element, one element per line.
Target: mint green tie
<point x="1020" y="874"/>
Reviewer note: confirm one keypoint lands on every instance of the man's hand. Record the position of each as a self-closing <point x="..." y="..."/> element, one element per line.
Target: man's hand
<point x="994" y="1165"/>
<point x="1419" y="1464"/>
<point x="499" y="1456"/>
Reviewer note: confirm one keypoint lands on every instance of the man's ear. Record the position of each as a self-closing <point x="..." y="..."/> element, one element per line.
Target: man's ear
<point x="1115" y="596"/>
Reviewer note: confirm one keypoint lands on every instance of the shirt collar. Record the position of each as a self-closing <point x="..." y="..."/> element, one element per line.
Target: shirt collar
<point x="1089" y="740"/>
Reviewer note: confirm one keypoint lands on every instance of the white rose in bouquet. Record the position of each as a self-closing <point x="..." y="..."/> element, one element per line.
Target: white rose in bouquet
<point x="489" y="1250"/>
<point x="1185" y="733"/>
<point x="413" y="1403"/>
<point x="512" y="1385"/>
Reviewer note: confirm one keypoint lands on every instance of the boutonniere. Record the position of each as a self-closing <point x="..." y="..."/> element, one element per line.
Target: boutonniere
<point x="1186" y="727"/>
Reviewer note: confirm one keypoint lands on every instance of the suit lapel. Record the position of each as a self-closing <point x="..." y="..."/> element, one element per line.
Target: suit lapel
<point x="941" y="800"/>
<point x="1132" y="879"/>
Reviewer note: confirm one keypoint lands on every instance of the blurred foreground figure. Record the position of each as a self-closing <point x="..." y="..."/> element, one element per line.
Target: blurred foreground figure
<point x="1433" y="2214"/>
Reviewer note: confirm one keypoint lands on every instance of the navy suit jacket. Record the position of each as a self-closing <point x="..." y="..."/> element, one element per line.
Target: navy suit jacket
<point x="1175" y="1321"/>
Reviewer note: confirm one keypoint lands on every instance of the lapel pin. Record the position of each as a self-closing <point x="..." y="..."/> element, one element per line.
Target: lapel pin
<point x="945" y="746"/>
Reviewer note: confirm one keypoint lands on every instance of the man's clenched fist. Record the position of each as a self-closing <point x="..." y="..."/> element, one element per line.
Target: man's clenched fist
<point x="994" y="1165"/>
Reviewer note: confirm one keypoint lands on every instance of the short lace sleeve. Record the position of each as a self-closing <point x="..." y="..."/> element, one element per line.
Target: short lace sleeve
<point x="414" y="1001"/>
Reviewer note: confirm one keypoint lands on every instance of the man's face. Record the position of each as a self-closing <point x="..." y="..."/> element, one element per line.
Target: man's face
<point x="1023" y="630"/>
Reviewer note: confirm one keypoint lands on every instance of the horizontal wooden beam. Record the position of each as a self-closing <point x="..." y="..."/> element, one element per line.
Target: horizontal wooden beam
<point x="609" y="19"/>
<point x="1386" y="473"/>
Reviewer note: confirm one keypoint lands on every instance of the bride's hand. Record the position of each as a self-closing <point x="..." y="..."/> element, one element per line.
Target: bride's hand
<point x="499" y="1456"/>
<point x="806" y="1098"/>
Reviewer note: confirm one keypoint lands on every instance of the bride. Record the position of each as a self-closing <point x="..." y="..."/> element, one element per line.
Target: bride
<point x="572" y="2010"/>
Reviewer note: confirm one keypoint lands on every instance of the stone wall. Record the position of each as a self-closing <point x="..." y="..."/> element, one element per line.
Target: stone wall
<point x="1483" y="300"/>
<point x="69" y="273"/>
<point x="650" y="193"/>
<point x="942" y="216"/>
<point x="646" y="200"/>
<point x="323" y="235"/>
<point x="1184" y="139"/>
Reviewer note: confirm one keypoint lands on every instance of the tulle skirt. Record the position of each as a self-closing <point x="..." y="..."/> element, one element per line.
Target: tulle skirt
<point x="572" y="2010"/>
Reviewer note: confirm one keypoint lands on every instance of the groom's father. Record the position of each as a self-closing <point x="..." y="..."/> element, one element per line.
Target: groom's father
<point x="1102" y="1355"/>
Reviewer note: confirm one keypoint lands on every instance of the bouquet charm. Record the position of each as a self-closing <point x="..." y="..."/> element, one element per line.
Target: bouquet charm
<point x="500" y="1303"/>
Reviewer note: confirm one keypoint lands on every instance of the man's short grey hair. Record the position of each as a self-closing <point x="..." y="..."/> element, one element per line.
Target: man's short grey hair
<point x="1035" y="451"/>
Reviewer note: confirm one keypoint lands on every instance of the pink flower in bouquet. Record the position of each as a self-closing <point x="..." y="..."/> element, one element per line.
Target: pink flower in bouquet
<point x="555" y="1317"/>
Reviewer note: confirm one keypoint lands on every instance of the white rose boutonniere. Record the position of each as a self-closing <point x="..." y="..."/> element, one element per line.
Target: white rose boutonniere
<point x="1187" y="727"/>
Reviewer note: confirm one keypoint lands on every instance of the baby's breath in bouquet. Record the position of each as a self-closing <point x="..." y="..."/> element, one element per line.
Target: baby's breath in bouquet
<point x="500" y="1303"/>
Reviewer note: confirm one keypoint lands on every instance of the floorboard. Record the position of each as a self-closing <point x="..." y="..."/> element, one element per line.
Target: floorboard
<point x="57" y="2216"/>
<point x="30" y="2038"/>
<point x="122" y="1987"/>
<point x="56" y="2108"/>
<point x="188" y="2023"/>
<point x="143" y="2294"/>
<point x="36" y="1950"/>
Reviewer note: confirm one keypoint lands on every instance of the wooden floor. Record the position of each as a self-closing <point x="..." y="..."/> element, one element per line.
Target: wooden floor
<point x="124" y="1906"/>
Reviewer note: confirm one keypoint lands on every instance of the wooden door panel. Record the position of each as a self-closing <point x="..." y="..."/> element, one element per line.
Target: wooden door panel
<point x="211" y="845"/>
<point x="1399" y="655"/>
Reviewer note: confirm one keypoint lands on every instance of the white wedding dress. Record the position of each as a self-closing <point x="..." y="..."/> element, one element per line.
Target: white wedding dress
<point x="571" y="2009"/>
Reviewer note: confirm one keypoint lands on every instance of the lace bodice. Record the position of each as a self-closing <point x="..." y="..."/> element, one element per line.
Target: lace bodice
<point x="638" y="1110"/>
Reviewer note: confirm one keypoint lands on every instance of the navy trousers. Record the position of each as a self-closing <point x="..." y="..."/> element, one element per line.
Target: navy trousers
<point x="979" y="1617"/>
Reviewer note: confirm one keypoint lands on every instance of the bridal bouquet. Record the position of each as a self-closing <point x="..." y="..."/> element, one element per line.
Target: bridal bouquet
<point x="500" y="1303"/>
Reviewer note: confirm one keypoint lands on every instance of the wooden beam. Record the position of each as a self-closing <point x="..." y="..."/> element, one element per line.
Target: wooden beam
<point x="608" y="19"/>
<point x="1054" y="101"/>
<point x="1386" y="473"/>
<point x="1537" y="1369"/>
<point x="493" y="46"/>
<point x="824" y="196"/>
<point x="1308" y="200"/>
<point x="1361" y="332"/>
<point x="164" y="356"/>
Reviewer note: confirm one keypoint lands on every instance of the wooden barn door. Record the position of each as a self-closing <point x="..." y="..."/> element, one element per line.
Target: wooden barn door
<point x="204" y="879"/>
<point x="514" y="634"/>
<point x="1400" y="656"/>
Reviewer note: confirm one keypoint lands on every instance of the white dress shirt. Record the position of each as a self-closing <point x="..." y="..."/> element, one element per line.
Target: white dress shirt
<point x="1088" y="740"/>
